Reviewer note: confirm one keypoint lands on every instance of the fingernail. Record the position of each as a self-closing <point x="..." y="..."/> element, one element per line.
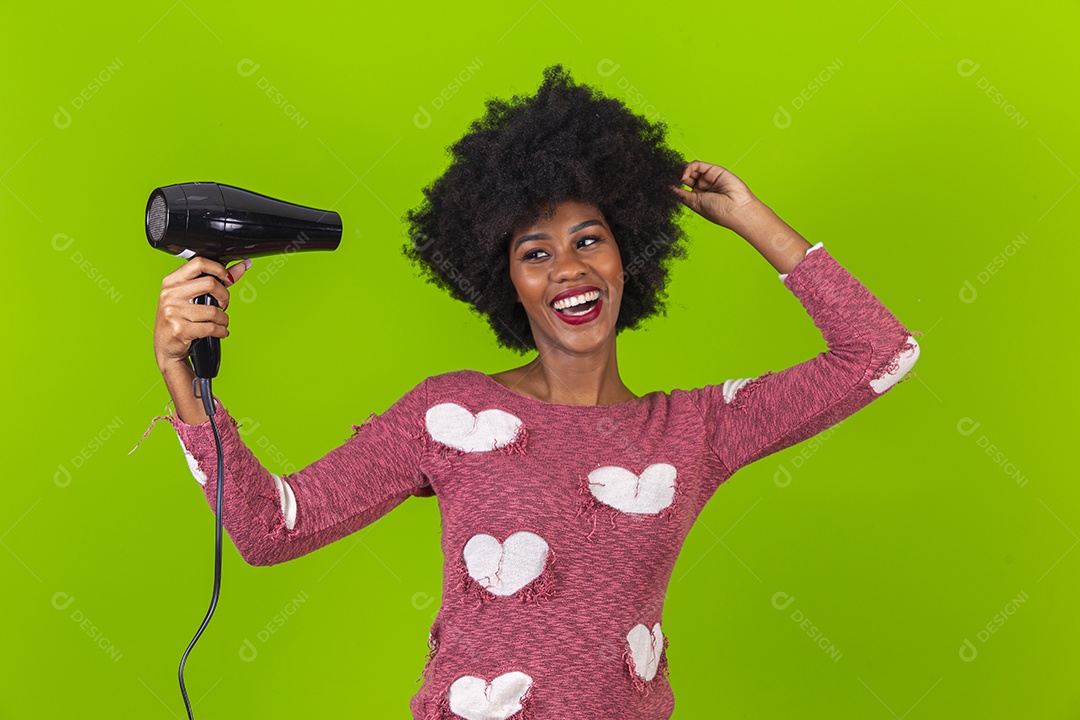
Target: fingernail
<point x="247" y="262"/>
<point x="229" y="275"/>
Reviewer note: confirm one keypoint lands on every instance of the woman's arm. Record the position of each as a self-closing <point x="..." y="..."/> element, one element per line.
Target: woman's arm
<point x="272" y="519"/>
<point x="869" y="349"/>
<point x="719" y="196"/>
<point x="772" y="237"/>
<point x="869" y="352"/>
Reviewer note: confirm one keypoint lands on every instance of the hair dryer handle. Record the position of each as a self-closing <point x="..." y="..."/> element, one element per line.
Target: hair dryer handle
<point x="206" y="351"/>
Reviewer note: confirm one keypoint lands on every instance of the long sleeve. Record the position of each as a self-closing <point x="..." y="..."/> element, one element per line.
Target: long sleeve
<point x="272" y="519"/>
<point x="869" y="352"/>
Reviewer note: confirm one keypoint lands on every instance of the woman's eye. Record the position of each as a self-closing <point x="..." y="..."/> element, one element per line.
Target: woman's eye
<point x="538" y="254"/>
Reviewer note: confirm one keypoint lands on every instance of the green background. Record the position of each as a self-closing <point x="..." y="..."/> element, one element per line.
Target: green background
<point x="866" y="125"/>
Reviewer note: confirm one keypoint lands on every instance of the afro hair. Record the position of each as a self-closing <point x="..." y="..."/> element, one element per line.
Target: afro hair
<point x="522" y="158"/>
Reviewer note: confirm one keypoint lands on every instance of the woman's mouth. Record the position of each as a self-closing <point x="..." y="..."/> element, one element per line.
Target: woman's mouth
<point x="579" y="308"/>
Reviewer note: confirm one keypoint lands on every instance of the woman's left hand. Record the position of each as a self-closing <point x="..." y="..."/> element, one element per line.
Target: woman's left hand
<point x="715" y="193"/>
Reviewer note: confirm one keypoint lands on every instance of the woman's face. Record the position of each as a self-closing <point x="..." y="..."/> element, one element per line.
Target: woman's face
<point x="567" y="272"/>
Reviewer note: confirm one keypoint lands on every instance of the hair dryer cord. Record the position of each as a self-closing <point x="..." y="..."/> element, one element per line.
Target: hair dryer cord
<point x="200" y="387"/>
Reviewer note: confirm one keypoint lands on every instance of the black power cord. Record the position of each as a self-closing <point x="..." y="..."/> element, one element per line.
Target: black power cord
<point x="200" y="388"/>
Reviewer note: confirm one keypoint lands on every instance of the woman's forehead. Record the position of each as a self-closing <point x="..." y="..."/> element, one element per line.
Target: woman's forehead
<point x="559" y="215"/>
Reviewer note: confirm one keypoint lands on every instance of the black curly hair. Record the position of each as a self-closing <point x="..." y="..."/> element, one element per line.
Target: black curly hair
<point x="518" y="161"/>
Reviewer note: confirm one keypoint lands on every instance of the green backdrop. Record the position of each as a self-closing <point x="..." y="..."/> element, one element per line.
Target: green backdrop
<point x="916" y="561"/>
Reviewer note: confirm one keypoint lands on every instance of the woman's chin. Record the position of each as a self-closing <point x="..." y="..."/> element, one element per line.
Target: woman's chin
<point x="587" y="338"/>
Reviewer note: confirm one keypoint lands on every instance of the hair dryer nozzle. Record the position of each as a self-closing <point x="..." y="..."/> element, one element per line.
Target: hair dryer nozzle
<point x="225" y="223"/>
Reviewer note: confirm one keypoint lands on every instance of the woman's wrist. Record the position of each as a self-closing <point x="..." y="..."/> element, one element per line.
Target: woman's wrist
<point x="178" y="379"/>
<point x="750" y="218"/>
<point x="174" y="366"/>
<point x="777" y="241"/>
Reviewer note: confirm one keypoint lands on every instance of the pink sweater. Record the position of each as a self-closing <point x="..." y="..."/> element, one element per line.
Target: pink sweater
<point x="561" y="523"/>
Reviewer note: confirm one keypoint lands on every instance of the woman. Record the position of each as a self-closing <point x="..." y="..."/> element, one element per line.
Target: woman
<point x="565" y="497"/>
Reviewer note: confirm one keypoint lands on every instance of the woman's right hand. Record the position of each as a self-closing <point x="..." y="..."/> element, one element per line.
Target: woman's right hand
<point x="180" y="321"/>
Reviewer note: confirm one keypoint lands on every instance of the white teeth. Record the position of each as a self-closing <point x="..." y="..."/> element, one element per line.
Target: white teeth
<point x="576" y="300"/>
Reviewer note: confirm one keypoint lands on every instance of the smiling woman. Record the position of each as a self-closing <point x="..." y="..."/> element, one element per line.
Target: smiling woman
<point x="566" y="271"/>
<point x="516" y="165"/>
<point x="565" y="497"/>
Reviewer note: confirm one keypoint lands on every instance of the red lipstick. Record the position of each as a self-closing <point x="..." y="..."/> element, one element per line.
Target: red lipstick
<point x="579" y="319"/>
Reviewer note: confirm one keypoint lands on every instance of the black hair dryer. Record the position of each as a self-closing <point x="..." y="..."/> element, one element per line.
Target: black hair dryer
<point x="226" y="223"/>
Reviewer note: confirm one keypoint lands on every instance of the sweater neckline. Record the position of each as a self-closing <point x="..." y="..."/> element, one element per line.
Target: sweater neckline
<point x="625" y="404"/>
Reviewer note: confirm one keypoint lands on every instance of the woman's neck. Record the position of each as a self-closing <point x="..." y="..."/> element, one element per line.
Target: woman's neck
<point x="556" y="376"/>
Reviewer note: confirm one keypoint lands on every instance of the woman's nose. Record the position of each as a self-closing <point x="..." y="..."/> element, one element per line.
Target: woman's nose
<point x="568" y="266"/>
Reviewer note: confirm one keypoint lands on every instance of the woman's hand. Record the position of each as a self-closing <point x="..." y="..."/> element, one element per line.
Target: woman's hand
<point x="715" y="193"/>
<point x="180" y="321"/>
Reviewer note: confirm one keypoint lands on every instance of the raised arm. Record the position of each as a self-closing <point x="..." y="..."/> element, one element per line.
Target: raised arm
<point x="869" y="349"/>
<point x="272" y="519"/>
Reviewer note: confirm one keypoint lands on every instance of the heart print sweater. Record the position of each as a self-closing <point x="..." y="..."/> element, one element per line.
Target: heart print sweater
<point x="561" y="523"/>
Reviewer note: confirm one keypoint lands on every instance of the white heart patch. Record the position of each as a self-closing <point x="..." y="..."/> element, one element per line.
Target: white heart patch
<point x="733" y="386"/>
<point x="645" y="649"/>
<point x="473" y="699"/>
<point x="453" y="425"/>
<point x="504" y="568"/>
<point x="623" y="490"/>
<point x="904" y="361"/>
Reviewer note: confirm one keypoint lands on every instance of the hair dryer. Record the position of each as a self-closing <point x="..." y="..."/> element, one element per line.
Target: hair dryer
<point x="226" y="223"/>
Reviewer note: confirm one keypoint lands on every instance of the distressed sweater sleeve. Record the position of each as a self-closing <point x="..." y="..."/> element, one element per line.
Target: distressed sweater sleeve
<point x="272" y="519"/>
<point x="869" y="352"/>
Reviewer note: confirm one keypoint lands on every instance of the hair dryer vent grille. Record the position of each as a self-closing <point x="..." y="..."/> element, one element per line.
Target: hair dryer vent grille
<point x="156" y="217"/>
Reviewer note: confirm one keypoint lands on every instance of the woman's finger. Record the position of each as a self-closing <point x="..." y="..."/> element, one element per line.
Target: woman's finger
<point x="192" y="313"/>
<point x="187" y="291"/>
<point x="237" y="270"/>
<point x="193" y="268"/>
<point x="686" y="197"/>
